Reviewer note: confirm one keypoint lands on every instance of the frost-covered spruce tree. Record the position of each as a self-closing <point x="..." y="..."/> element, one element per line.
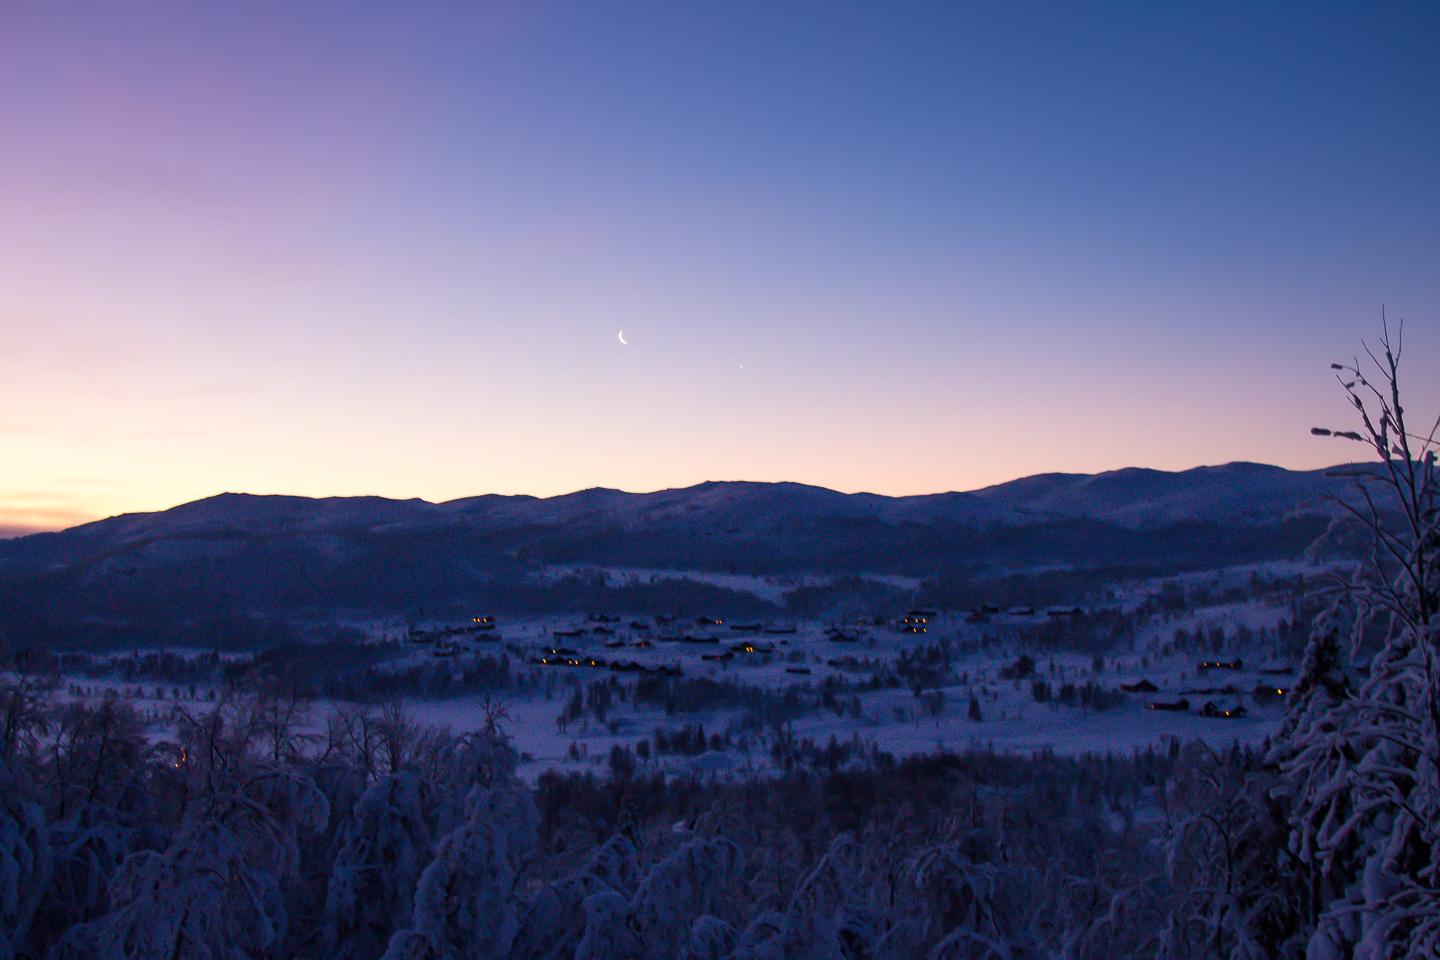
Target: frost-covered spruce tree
<point x="656" y="923"/>
<point x="24" y="861"/>
<point x="87" y="848"/>
<point x="1313" y="755"/>
<point x="465" y="903"/>
<point x="481" y="774"/>
<point x="1363" y="757"/>
<point x="968" y="898"/>
<point x="216" y="892"/>
<point x="553" y="921"/>
<point x="383" y="850"/>
<point x="828" y="917"/>
<point x="198" y="900"/>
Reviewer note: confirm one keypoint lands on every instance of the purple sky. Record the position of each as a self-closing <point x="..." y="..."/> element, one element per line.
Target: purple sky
<point x="333" y="248"/>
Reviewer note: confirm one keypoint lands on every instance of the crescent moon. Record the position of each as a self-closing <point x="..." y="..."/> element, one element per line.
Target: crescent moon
<point x="621" y="337"/>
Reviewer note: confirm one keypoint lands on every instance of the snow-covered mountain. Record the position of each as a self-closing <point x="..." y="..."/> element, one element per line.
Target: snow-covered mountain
<point x="1133" y="497"/>
<point x="241" y="556"/>
<point x="1137" y="497"/>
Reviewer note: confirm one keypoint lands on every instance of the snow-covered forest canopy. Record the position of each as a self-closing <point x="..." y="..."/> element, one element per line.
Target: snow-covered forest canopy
<point x="269" y="828"/>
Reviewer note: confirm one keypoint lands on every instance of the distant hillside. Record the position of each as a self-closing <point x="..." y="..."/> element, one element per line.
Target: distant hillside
<point x="241" y="558"/>
<point x="1136" y="497"/>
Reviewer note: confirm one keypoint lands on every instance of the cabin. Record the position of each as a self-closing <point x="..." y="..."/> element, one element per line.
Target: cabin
<point x="1064" y="612"/>
<point x="569" y="661"/>
<point x="779" y="628"/>
<point x="603" y="632"/>
<point x="642" y="644"/>
<point x="486" y="621"/>
<point x="912" y="628"/>
<point x="692" y="638"/>
<point x="915" y="618"/>
<point x="802" y="671"/>
<point x="557" y="661"/>
<point x="614" y="644"/>
<point x="745" y="627"/>
<point x="1265" y="692"/>
<point x="717" y="657"/>
<point x="709" y="621"/>
<point x="639" y="625"/>
<point x="1277" y="670"/>
<point x="1140" y="686"/>
<point x="1173" y="706"/>
<point x="1210" y="710"/>
<point x="1022" y="611"/>
<point x="560" y="651"/>
<point x="577" y="632"/>
<point x="977" y="616"/>
<point x="840" y="637"/>
<point x="1235" y="664"/>
<point x="749" y="647"/>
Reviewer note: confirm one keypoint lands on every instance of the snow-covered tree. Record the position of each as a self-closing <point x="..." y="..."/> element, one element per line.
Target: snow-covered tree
<point x="553" y="922"/>
<point x="383" y="850"/>
<point x="198" y="900"/>
<point x="827" y="918"/>
<point x="216" y="892"/>
<point x="87" y="848"/>
<point x="465" y="903"/>
<point x="969" y="902"/>
<point x="656" y="922"/>
<point x="1363" y="753"/>
<point x="100" y="803"/>
<point x="1235" y="895"/>
<point x="24" y="860"/>
<point x="24" y="713"/>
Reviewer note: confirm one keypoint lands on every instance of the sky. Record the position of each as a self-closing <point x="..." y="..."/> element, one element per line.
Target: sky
<point x="355" y="248"/>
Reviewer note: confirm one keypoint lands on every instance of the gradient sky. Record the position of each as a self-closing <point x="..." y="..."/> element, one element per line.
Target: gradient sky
<point x="338" y="248"/>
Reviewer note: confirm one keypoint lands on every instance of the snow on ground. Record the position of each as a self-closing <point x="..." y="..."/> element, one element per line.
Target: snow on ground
<point x="770" y="588"/>
<point x="874" y="703"/>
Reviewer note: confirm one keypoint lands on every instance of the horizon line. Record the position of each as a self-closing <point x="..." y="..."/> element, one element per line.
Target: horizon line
<point x="15" y="532"/>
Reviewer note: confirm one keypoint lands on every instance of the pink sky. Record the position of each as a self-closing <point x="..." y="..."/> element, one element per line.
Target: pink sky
<point x="346" y="250"/>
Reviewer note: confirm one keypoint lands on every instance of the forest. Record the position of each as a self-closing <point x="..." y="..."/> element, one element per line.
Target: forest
<point x="269" y="828"/>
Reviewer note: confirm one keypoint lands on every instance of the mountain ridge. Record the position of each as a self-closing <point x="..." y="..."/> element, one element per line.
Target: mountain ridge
<point x="248" y="567"/>
<point x="1130" y="496"/>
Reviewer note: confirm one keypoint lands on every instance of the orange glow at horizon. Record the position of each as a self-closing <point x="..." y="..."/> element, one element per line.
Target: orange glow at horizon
<point x="284" y="250"/>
